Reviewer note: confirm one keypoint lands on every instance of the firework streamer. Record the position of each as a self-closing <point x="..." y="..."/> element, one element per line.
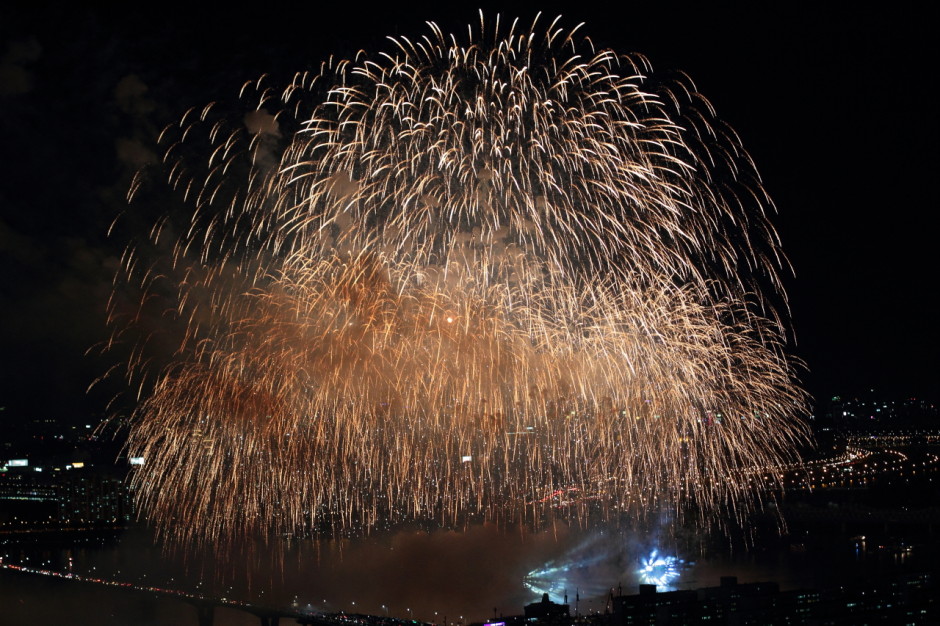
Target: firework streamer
<point x="500" y="277"/>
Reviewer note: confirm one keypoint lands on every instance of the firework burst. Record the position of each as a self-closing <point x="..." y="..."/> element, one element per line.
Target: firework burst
<point x="447" y="281"/>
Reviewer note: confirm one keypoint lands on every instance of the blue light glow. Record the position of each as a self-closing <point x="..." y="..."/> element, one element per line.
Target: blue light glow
<point x="659" y="570"/>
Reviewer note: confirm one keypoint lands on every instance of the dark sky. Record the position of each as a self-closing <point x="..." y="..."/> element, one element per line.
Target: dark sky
<point x="832" y="104"/>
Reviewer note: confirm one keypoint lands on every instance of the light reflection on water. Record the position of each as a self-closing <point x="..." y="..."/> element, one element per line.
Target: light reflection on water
<point x="419" y="574"/>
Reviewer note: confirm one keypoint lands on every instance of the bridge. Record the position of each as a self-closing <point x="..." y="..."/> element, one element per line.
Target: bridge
<point x="205" y="605"/>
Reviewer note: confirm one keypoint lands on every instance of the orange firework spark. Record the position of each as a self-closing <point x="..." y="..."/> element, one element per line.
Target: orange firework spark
<point x="449" y="280"/>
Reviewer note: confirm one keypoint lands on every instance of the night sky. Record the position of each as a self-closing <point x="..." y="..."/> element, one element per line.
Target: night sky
<point x="834" y="105"/>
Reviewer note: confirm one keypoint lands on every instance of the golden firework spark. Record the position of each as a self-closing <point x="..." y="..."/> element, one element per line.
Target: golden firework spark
<point x="449" y="280"/>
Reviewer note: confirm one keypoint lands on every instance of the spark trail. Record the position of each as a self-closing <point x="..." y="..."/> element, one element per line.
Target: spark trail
<point x="448" y="280"/>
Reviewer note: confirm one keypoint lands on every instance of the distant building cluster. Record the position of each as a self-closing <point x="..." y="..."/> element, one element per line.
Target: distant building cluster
<point x="62" y="474"/>
<point x="62" y="496"/>
<point x="910" y="599"/>
<point x="871" y="411"/>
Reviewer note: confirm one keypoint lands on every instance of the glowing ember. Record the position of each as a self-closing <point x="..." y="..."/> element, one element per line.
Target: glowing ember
<point x="448" y="281"/>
